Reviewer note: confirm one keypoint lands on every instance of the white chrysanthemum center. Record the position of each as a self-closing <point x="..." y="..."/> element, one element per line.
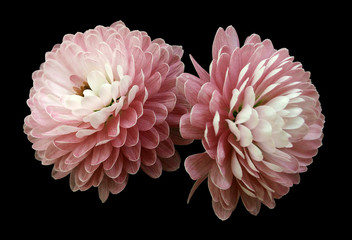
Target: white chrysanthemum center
<point x="100" y="96"/>
<point x="262" y="127"/>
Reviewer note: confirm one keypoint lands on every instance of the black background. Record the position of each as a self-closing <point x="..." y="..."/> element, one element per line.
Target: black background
<point x="148" y="207"/>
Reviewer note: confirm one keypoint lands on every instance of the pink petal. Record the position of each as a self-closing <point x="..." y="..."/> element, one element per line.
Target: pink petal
<point x="262" y="132"/>
<point x="246" y="136"/>
<point x="205" y="93"/>
<point x="149" y="139"/>
<point x="222" y="38"/>
<point x="192" y="88"/>
<point x="203" y="75"/>
<point x="101" y="153"/>
<point x="113" y="126"/>
<point x="153" y="171"/>
<point x="128" y="118"/>
<point x="200" y="115"/>
<point x="252" y="204"/>
<point x="187" y="130"/>
<point x="165" y="149"/>
<point x="198" y="165"/>
<point x="159" y="109"/>
<point x="163" y="131"/>
<point x="218" y="179"/>
<point x="115" y="187"/>
<point x="84" y="147"/>
<point x="131" y="167"/>
<point x="132" y="137"/>
<point x="222" y="213"/>
<point x="236" y="166"/>
<point x="171" y="164"/>
<point x="132" y="153"/>
<point x="111" y="160"/>
<point x="195" y="186"/>
<point x="103" y="190"/>
<point x="147" y="120"/>
<point x="148" y="156"/>
<point x="166" y="98"/>
<point x="223" y="148"/>
<point x="120" y="139"/>
<point x="153" y="83"/>
<point x="116" y="168"/>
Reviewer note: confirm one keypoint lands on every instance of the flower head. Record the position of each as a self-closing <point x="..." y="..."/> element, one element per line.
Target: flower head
<point x="259" y="119"/>
<point x="103" y="105"/>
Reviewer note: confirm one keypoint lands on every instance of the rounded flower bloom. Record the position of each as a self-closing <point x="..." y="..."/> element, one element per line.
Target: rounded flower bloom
<point x="259" y="119"/>
<point x="103" y="105"/>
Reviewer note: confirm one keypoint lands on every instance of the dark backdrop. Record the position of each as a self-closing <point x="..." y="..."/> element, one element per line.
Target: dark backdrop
<point x="158" y="207"/>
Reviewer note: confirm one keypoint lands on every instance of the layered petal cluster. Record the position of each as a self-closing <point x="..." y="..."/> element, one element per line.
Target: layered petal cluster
<point x="103" y="105"/>
<point x="258" y="117"/>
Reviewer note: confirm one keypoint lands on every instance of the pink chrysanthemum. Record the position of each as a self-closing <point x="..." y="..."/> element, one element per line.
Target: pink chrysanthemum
<point x="104" y="105"/>
<point x="259" y="119"/>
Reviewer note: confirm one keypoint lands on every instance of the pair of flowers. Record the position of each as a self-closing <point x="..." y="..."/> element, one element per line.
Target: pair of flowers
<point x="110" y="101"/>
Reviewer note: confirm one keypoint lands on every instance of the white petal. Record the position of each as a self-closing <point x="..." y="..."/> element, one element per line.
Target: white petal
<point x="253" y="120"/>
<point x="95" y="80"/>
<point x="120" y="71"/>
<point x="216" y="121"/>
<point x="293" y="123"/>
<point x="272" y="73"/>
<point x="273" y="167"/>
<point x="293" y="112"/>
<point x="243" y="72"/>
<point x="278" y="103"/>
<point x="115" y="90"/>
<point x="249" y="96"/>
<point x="233" y="128"/>
<point x="98" y="118"/>
<point x="281" y="139"/>
<point x="246" y="136"/>
<point x="244" y="114"/>
<point x="109" y="72"/>
<point x="92" y="103"/>
<point x="255" y="153"/>
<point x="85" y="132"/>
<point x="268" y="146"/>
<point x="234" y="98"/>
<point x="262" y="132"/>
<point x="125" y="83"/>
<point x="72" y="101"/>
<point x="233" y="143"/>
<point x="88" y="92"/>
<point x="266" y="112"/>
<point x="258" y="73"/>
<point x="132" y="94"/>
<point x="235" y="166"/>
<point x="105" y="94"/>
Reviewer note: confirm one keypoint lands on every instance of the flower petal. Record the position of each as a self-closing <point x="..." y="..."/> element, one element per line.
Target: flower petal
<point x="200" y="115"/>
<point x="278" y="103"/>
<point x="153" y="171"/>
<point x="147" y="120"/>
<point x="149" y="139"/>
<point x="171" y="164"/>
<point x="128" y="118"/>
<point x="198" y="165"/>
<point x="246" y="136"/>
<point x="95" y="80"/>
<point x="262" y="132"/>
<point x="187" y="130"/>
<point x="218" y="179"/>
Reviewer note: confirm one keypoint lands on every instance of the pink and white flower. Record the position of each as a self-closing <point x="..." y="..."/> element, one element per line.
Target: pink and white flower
<point x="103" y="105"/>
<point x="259" y="119"/>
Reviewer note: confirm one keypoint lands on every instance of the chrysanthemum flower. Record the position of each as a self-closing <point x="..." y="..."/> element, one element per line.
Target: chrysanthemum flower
<point x="104" y="105"/>
<point x="259" y="119"/>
